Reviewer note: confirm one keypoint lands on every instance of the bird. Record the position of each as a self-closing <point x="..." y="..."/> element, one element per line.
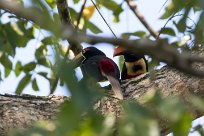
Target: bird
<point x="95" y="65"/>
<point x="134" y="65"/>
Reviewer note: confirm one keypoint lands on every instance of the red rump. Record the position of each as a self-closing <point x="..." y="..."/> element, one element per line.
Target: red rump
<point x="107" y="66"/>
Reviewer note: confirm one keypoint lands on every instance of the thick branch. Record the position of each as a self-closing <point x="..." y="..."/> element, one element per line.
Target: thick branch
<point x="26" y="13"/>
<point x="156" y="49"/>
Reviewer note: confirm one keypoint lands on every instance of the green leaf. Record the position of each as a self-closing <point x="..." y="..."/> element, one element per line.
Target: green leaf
<point x="51" y="3"/>
<point x="7" y="71"/>
<point x="168" y="31"/>
<point x="45" y="62"/>
<point x="6" y="62"/>
<point x="166" y="15"/>
<point x="35" y="85"/>
<point x="138" y="34"/>
<point x="0" y="76"/>
<point x="75" y="1"/>
<point x="181" y="128"/>
<point x="18" y="68"/>
<point x="56" y="17"/>
<point x="73" y="14"/>
<point x="43" y="74"/>
<point x="41" y="52"/>
<point x="116" y="13"/>
<point x="28" y="32"/>
<point x="172" y="109"/>
<point x="181" y="26"/>
<point x="48" y="40"/>
<point x="110" y="4"/>
<point x="29" y="67"/>
<point x="9" y="49"/>
<point x="23" y="83"/>
<point x="93" y="28"/>
<point x="198" y="32"/>
<point x="15" y="36"/>
<point x="171" y="9"/>
<point x="61" y="82"/>
<point x="197" y="103"/>
<point x="121" y="62"/>
<point x="113" y="6"/>
<point x="138" y="120"/>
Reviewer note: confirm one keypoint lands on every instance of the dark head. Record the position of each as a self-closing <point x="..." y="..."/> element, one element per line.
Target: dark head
<point x="91" y="51"/>
<point x="128" y="55"/>
<point x="87" y="53"/>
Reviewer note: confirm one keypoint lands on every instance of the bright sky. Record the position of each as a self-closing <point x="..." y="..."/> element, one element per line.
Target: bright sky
<point x="151" y="9"/>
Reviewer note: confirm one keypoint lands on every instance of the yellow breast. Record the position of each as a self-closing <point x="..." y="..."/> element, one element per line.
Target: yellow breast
<point x="130" y="67"/>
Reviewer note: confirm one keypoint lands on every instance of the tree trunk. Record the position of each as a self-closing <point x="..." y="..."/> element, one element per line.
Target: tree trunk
<point x="22" y="111"/>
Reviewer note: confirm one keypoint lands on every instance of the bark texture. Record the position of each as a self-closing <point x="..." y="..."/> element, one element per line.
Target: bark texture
<point x="22" y="111"/>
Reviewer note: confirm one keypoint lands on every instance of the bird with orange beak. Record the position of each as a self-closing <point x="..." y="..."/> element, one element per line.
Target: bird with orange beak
<point x="95" y="65"/>
<point x="134" y="64"/>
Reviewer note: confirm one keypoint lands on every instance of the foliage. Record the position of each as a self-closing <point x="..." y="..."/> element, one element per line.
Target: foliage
<point x="77" y="117"/>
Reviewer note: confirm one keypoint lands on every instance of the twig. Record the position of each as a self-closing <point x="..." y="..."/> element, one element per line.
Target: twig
<point x="80" y="13"/>
<point x="173" y="16"/>
<point x="163" y="5"/>
<point x="104" y="19"/>
<point x="62" y="7"/>
<point x="165" y="25"/>
<point x="133" y="7"/>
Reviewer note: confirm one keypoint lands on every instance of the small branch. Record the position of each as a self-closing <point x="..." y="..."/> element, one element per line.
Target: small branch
<point x="104" y="19"/>
<point x="81" y="13"/>
<point x="62" y="7"/>
<point x="163" y="5"/>
<point x="133" y="7"/>
<point x="165" y="25"/>
<point x="173" y="16"/>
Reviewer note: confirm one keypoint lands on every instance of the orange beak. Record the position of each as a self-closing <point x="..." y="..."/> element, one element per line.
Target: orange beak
<point x="119" y="51"/>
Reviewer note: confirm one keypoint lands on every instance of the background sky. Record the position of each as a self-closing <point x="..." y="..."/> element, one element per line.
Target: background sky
<point x="151" y="9"/>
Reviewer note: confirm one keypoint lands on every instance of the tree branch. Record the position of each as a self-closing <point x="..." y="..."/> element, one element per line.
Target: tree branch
<point x="133" y="7"/>
<point x="26" y="13"/>
<point x="157" y="49"/>
<point x="62" y="7"/>
<point x="81" y="13"/>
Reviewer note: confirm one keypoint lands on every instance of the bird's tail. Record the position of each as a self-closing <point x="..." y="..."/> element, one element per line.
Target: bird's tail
<point x="115" y="87"/>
